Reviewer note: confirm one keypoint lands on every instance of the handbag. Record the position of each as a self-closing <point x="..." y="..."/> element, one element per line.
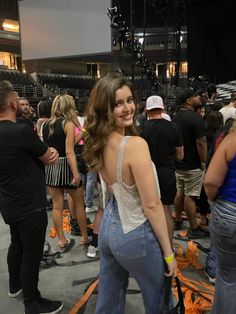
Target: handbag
<point x="179" y="308"/>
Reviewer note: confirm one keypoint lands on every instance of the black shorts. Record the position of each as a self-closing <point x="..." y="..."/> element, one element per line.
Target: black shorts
<point x="167" y="183"/>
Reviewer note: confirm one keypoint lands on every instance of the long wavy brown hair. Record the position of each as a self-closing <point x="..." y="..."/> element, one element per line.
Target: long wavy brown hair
<point x="100" y="122"/>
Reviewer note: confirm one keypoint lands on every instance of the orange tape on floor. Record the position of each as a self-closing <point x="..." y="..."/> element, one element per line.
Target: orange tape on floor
<point x="84" y="298"/>
<point x="198" y="295"/>
<point x="66" y="226"/>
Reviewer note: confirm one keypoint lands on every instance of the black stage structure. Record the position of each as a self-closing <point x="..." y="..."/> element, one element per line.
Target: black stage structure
<point x="211" y="39"/>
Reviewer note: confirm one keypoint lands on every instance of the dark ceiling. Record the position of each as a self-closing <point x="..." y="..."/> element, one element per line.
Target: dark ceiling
<point x="154" y="14"/>
<point x="9" y="9"/>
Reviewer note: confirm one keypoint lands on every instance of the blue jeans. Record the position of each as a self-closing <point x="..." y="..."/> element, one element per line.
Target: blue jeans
<point x="211" y="261"/>
<point x="223" y="234"/>
<point x="211" y="258"/>
<point x="90" y="184"/>
<point x="137" y="252"/>
<point x="25" y="252"/>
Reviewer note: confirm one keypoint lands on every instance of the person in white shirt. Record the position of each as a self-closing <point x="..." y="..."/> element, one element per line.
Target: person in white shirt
<point x="229" y="111"/>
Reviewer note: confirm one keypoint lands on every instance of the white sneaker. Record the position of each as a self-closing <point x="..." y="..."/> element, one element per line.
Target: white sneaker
<point x="15" y="293"/>
<point x="92" y="251"/>
<point x="210" y="278"/>
<point x="91" y="209"/>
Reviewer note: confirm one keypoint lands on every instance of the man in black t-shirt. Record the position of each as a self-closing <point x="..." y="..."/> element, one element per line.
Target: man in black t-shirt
<point x="23" y="202"/>
<point x="189" y="173"/>
<point x="166" y="146"/>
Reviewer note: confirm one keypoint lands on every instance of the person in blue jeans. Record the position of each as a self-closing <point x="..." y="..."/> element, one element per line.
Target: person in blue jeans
<point x="220" y="187"/>
<point x="133" y="236"/>
<point x="91" y="180"/>
<point x="229" y="127"/>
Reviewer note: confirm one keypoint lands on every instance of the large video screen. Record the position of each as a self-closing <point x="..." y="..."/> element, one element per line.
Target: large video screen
<point x="62" y="28"/>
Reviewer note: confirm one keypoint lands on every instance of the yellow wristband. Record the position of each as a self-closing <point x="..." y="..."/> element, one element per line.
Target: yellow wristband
<point x="84" y="130"/>
<point x="169" y="259"/>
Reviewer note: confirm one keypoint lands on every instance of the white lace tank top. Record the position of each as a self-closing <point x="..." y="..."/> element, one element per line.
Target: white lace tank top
<point x="127" y="196"/>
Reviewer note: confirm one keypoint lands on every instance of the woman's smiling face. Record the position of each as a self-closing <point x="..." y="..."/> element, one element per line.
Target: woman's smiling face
<point x="124" y="110"/>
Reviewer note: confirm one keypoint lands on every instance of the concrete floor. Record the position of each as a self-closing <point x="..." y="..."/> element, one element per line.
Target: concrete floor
<point x="57" y="282"/>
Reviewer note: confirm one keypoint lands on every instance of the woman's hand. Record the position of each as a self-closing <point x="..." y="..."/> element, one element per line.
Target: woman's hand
<point x="54" y="157"/>
<point x="172" y="268"/>
<point x="76" y="180"/>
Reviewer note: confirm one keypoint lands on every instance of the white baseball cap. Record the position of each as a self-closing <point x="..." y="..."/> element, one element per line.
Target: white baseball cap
<point x="154" y="102"/>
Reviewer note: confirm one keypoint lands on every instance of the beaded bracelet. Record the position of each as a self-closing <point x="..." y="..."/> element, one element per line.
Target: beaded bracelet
<point x="169" y="259"/>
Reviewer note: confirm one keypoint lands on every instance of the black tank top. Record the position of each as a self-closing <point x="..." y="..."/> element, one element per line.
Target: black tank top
<point x="57" y="139"/>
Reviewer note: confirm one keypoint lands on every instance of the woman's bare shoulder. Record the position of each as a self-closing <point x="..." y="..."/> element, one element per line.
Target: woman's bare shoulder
<point x="137" y="145"/>
<point x="137" y="140"/>
<point x="229" y="141"/>
<point x="231" y="136"/>
<point x="69" y="124"/>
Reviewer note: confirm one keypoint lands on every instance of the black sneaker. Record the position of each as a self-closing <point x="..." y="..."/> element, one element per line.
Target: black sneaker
<point x="75" y="230"/>
<point x="197" y="233"/>
<point x="44" y="306"/>
<point x="178" y="225"/>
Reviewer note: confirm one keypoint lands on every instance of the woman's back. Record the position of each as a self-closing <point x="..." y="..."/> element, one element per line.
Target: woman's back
<point x="127" y="196"/>
<point x="119" y="180"/>
<point x="57" y="138"/>
<point x="110" y="157"/>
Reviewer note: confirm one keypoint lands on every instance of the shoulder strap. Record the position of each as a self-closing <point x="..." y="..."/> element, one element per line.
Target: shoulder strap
<point x="40" y="134"/>
<point x="121" y="157"/>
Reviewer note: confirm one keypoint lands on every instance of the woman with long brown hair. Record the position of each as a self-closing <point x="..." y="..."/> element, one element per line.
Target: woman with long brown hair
<point x="133" y="236"/>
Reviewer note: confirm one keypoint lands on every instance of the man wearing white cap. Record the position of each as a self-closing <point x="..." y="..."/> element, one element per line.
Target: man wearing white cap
<point x="165" y="144"/>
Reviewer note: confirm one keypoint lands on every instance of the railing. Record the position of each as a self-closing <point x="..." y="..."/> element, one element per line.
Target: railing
<point x="29" y="91"/>
<point x="9" y="35"/>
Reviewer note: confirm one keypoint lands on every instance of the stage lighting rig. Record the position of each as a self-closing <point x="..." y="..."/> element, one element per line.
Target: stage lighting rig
<point x="118" y="23"/>
<point x="147" y="68"/>
<point x="125" y="41"/>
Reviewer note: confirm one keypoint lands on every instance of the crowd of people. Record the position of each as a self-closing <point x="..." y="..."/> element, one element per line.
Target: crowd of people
<point x="142" y="165"/>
